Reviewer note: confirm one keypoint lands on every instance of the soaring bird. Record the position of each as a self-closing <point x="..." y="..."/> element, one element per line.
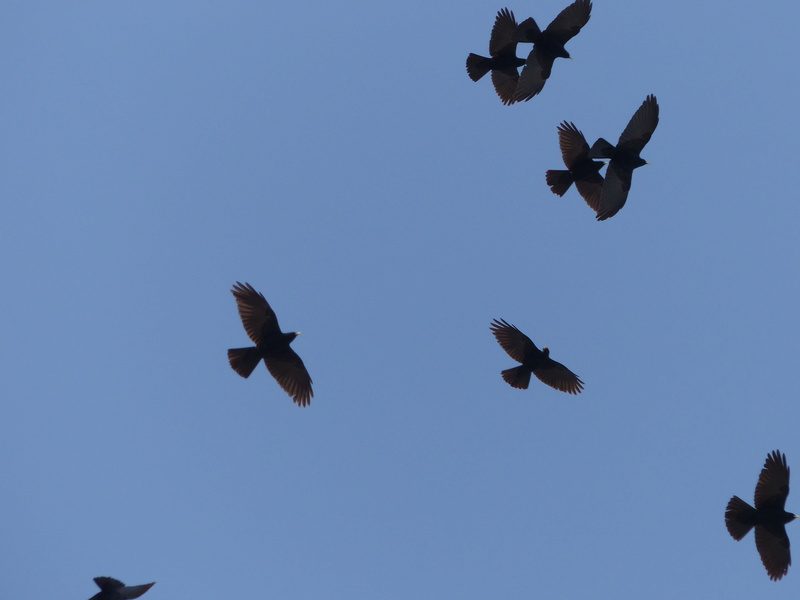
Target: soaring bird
<point x="504" y="61"/>
<point x="768" y="517"/>
<point x="624" y="157"/>
<point x="112" y="589"/>
<point x="520" y="347"/>
<point x="271" y="344"/>
<point x="548" y="45"/>
<point x="581" y="170"/>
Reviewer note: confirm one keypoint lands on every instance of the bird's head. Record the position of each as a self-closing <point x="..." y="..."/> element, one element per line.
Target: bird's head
<point x="291" y="335"/>
<point x="640" y="162"/>
<point x="545" y="350"/>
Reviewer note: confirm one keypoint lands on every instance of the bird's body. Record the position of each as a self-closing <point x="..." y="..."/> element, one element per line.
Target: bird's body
<point x="768" y="517"/>
<point x="271" y="345"/>
<point x="113" y="589"/>
<point x="581" y="170"/>
<point x="548" y="45"/>
<point x="624" y="157"/>
<point x="523" y="350"/>
<point x="503" y="61"/>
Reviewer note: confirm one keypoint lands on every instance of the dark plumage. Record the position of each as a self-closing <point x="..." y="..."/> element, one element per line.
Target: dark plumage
<point x="271" y="344"/>
<point x="768" y="517"/>
<point x="112" y="589"/>
<point x="581" y="170"/>
<point x="548" y="45"/>
<point x="520" y="347"/>
<point x="624" y="157"/>
<point x="504" y="61"/>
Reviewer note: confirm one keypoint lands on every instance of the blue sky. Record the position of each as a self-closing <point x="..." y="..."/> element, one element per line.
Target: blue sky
<point x="338" y="158"/>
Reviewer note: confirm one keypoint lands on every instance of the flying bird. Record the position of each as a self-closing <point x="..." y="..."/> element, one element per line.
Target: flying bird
<point x="112" y="589"/>
<point x="548" y="45"/>
<point x="624" y="157"/>
<point x="520" y="347"/>
<point x="768" y="517"/>
<point x="504" y="61"/>
<point x="271" y="344"/>
<point x="581" y="170"/>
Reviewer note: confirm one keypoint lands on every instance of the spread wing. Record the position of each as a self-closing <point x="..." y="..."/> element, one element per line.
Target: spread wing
<point x="558" y="376"/>
<point x="573" y="144"/>
<point x="534" y="74"/>
<point x="257" y="316"/>
<point x="615" y="190"/>
<point x="289" y="371"/>
<point x="591" y="190"/>
<point x="570" y="21"/>
<point x="773" y="482"/>
<point x="505" y="83"/>
<point x="504" y="33"/>
<point x="512" y="340"/>
<point x="641" y="126"/>
<point x="772" y="544"/>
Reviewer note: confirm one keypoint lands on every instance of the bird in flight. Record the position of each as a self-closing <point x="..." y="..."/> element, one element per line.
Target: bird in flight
<point x="271" y="344"/>
<point x="548" y="45"/>
<point x="768" y="517"/>
<point x="504" y="61"/>
<point x="624" y="157"/>
<point x="581" y="170"/>
<point x="112" y="589"/>
<point x="520" y="347"/>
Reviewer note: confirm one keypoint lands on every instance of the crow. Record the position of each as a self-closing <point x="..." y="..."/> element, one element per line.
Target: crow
<point x="548" y="45"/>
<point x="520" y="347"/>
<point x="624" y="157"/>
<point x="768" y="517"/>
<point x="581" y="170"/>
<point x="503" y="62"/>
<point x="271" y="344"/>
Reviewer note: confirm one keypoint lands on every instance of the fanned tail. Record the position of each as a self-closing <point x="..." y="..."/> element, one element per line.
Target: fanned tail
<point x="559" y="181"/>
<point x="740" y="517"/>
<point x="518" y="377"/>
<point x="244" y="360"/>
<point x="478" y="66"/>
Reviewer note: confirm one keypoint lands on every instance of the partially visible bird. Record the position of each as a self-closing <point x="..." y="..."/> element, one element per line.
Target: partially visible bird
<point x="271" y="344"/>
<point x="504" y="61"/>
<point x="548" y="45"/>
<point x="581" y="170"/>
<point x="520" y="347"/>
<point x="113" y="589"/>
<point x="624" y="157"/>
<point x="768" y="517"/>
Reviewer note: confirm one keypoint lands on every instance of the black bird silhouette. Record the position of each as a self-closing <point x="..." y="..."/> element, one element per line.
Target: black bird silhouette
<point x="504" y="61"/>
<point x="548" y="45"/>
<point x="581" y="170"/>
<point x="520" y="347"/>
<point x="768" y="517"/>
<point x="271" y="344"/>
<point x="113" y="589"/>
<point x="624" y="157"/>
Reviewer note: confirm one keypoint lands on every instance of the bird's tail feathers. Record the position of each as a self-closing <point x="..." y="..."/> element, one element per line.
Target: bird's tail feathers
<point x="602" y="148"/>
<point x="528" y="31"/>
<point x="478" y="66"/>
<point x="739" y="517"/>
<point x="559" y="181"/>
<point x="244" y="360"/>
<point x="518" y="377"/>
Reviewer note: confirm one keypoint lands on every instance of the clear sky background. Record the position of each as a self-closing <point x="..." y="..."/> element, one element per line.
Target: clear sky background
<point x="336" y="156"/>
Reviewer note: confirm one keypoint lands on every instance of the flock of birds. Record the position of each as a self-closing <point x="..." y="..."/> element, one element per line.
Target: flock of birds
<point x="605" y="195"/>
